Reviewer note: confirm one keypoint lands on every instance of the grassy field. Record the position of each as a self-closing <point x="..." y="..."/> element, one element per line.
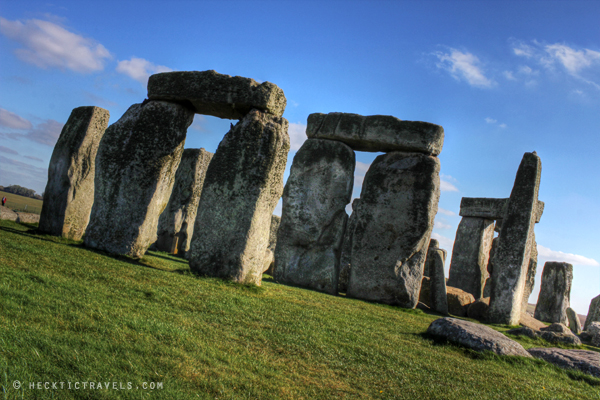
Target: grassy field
<point x="22" y="203"/>
<point x="69" y="314"/>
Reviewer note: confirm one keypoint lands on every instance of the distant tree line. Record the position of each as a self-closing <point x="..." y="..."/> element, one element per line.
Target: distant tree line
<point x="21" y="191"/>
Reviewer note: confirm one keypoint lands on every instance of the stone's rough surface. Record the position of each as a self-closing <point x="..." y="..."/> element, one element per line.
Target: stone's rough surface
<point x="555" y="292"/>
<point x="475" y="336"/>
<point x="581" y="360"/>
<point x="556" y="327"/>
<point x="313" y="216"/>
<point x="524" y="331"/>
<point x="433" y="244"/>
<point x="135" y="172"/>
<point x="268" y="260"/>
<point x="531" y="270"/>
<point x="561" y="338"/>
<point x="593" y="314"/>
<point x="8" y="214"/>
<point x="458" y="301"/>
<point x="69" y="193"/>
<point x="530" y="322"/>
<point x="346" y="254"/>
<point x="514" y="250"/>
<point x="574" y="322"/>
<point x="377" y="132"/>
<point x="398" y="204"/>
<point x="425" y="293"/>
<point x="470" y="255"/>
<point x="216" y="94"/>
<point x="478" y="310"/>
<point x="243" y="184"/>
<point x="176" y="223"/>
<point x="438" y="294"/>
<point x="594" y="331"/>
<point x="490" y="208"/>
<point x="270" y="257"/>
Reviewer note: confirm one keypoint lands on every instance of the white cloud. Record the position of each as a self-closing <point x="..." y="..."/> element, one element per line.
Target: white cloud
<point x="11" y="120"/>
<point x="509" y="75"/>
<point x="446" y="212"/>
<point x="446" y="186"/>
<point x="465" y="66"/>
<point x="502" y="126"/>
<point x="573" y="60"/>
<point x="552" y="255"/>
<point x="491" y="120"/>
<point x="445" y="243"/>
<point x="441" y="225"/>
<point x="297" y="132"/>
<point x="46" y="44"/>
<point x="140" y="69"/>
<point x="198" y="124"/>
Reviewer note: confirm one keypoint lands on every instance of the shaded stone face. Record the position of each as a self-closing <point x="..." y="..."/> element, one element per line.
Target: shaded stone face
<point x="211" y="93"/>
<point x="555" y="292"/>
<point x="176" y="223"/>
<point x="313" y="219"/>
<point x="135" y="172"/>
<point x="437" y="294"/>
<point x="491" y="208"/>
<point x="433" y="244"/>
<point x="270" y="254"/>
<point x="514" y="250"/>
<point x="574" y="322"/>
<point x="69" y="193"/>
<point x="398" y="204"/>
<point x="377" y="132"/>
<point x="346" y="255"/>
<point x="593" y="314"/>
<point x="470" y="255"/>
<point x="531" y="270"/>
<point x="243" y="184"/>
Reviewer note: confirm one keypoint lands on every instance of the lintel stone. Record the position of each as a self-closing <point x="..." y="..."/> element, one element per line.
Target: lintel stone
<point x="491" y="208"/>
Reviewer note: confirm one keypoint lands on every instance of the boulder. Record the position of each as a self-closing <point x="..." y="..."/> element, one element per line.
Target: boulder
<point x="478" y="309"/>
<point x="69" y="193"/>
<point x="574" y="322"/>
<point x="27" y="218"/>
<point x="135" y="172"/>
<point x="556" y="327"/>
<point x="313" y="217"/>
<point x="555" y="292"/>
<point x="561" y="338"/>
<point x="458" y="301"/>
<point x="580" y="360"/>
<point x="8" y="214"/>
<point x="475" y="336"/>
<point x="243" y="184"/>
<point x="524" y="331"/>
<point x="211" y="93"/>
<point x="346" y="254"/>
<point x="593" y="314"/>
<point x="594" y="331"/>
<point x="377" y="132"/>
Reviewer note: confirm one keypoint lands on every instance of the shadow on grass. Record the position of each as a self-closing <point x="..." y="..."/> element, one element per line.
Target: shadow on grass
<point x="168" y="258"/>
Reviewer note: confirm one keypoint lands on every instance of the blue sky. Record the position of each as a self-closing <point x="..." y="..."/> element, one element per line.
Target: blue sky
<point x="502" y="78"/>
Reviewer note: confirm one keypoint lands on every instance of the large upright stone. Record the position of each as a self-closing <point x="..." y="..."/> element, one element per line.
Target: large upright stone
<point x="593" y="314"/>
<point x="377" y="132"/>
<point x="555" y="292"/>
<point x="512" y="258"/>
<point x="243" y="184"/>
<point x="176" y="223"/>
<point x="437" y="293"/>
<point x="135" y="172"/>
<point x="487" y="290"/>
<point x="346" y="256"/>
<point x="398" y="203"/>
<point x="470" y="255"/>
<point x="433" y="244"/>
<point x="574" y="322"/>
<point x="211" y="93"/>
<point x="314" y="218"/>
<point x="69" y="193"/>
<point x="531" y="270"/>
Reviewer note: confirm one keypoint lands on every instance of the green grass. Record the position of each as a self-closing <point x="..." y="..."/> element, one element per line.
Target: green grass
<point x="22" y="203"/>
<point x="69" y="314"/>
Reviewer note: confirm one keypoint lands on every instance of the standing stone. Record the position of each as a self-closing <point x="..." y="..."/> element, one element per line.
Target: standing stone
<point x="514" y="251"/>
<point x="398" y="203"/>
<point x="555" y="292"/>
<point x="346" y="255"/>
<point x="470" y="255"/>
<point x="270" y="254"/>
<point x="433" y="244"/>
<point x="176" y="223"/>
<point x="574" y="322"/>
<point x="313" y="216"/>
<point x="593" y="314"/>
<point x="69" y="193"/>
<point x="135" y="172"/>
<point x="437" y="292"/>
<point x="531" y="270"/>
<point x="243" y="184"/>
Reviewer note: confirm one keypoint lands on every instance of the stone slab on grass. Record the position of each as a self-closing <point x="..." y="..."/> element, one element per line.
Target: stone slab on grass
<point x="581" y="360"/>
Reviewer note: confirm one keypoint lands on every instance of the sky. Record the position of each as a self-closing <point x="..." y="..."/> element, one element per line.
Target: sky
<point x="502" y="77"/>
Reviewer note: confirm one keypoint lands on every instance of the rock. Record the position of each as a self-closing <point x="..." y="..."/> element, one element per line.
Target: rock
<point x="476" y="336"/>
<point x="458" y="301"/>
<point x="27" y="218"/>
<point x="176" y="223"/>
<point x="530" y="322"/>
<point x="398" y="204"/>
<point x="346" y="254"/>
<point x="561" y="338"/>
<point x="275" y="221"/>
<point x="556" y="327"/>
<point x="514" y="250"/>
<point x="524" y="331"/>
<point x="433" y="244"/>
<point x="313" y="216"/>
<point x="593" y="314"/>
<point x="243" y="184"/>
<point x="594" y="331"/>
<point x="531" y="270"/>
<point x="438" y="294"/>
<point x="69" y="193"/>
<point x="573" y="319"/>
<point x="135" y="172"/>
<point x="555" y="292"/>
<point x="8" y="214"/>
<point x="581" y="360"/>
<point x="470" y="254"/>
<point x="425" y="293"/>
<point x="490" y="208"/>
<point x="478" y="309"/>
<point x="211" y="93"/>
<point x="487" y="288"/>
<point x="268" y="260"/>
<point x="377" y="132"/>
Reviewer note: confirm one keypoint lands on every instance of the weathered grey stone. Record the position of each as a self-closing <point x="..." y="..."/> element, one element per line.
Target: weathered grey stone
<point x="398" y="204"/>
<point x="524" y="331"/>
<point x="243" y="184"/>
<point x="270" y="257"/>
<point x="475" y="336"/>
<point x="268" y="260"/>
<point x="69" y="193"/>
<point x="377" y="132"/>
<point x="211" y="93"/>
<point x="487" y="289"/>
<point x="594" y="331"/>
<point x="176" y="223"/>
<point x="135" y="172"/>
<point x="491" y="208"/>
<point x="531" y="270"/>
<point x="470" y="255"/>
<point x="438" y="294"/>
<point x="313" y="216"/>
<point x="514" y="250"/>
<point x="556" y="327"/>
<point x="561" y="338"/>
<point x="433" y="244"/>
<point x="574" y="322"/>
<point x="459" y="301"/>
<point x="478" y="310"/>
<point x="346" y="254"/>
<point x="555" y="292"/>
<point x="581" y="360"/>
<point x="425" y="292"/>
<point x="530" y="322"/>
<point x="593" y="314"/>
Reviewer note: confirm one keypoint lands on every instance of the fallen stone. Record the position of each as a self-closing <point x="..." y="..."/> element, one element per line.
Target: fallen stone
<point x="593" y="314"/>
<point x="574" y="322"/>
<point x="211" y="93"/>
<point x="27" y="218"/>
<point x="459" y="301"/>
<point x="530" y="322"/>
<point x="69" y="193"/>
<point x="313" y="216"/>
<point x="476" y="336"/>
<point x="561" y="338"/>
<point x="524" y="331"/>
<point x="135" y="172"/>
<point x="438" y="295"/>
<point x="478" y="309"/>
<point x="556" y="327"/>
<point x="346" y="254"/>
<point x="491" y="208"/>
<point x="377" y="132"/>
<point x="580" y="360"/>
<point x="8" y="214"/>
<point x="243" y="184"/>
<point x="555" y="292"/>
<point x="594" y="331"/>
